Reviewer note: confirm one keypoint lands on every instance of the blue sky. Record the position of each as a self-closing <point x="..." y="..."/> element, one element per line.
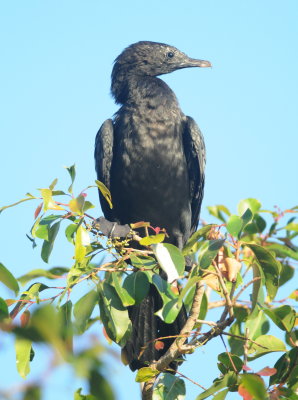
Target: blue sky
<point x="56" y="60"/>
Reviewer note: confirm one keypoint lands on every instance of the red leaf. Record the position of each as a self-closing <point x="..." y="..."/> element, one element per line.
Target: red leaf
<point x="9" y="302"/>
<point x="37" y="211"/>
<point x="246" y="368"/>
<point x="244" y="393"/>
<point x="175" y="290"/>
<point x="159" y="345"/>
<point x="106" y="335"/>
<point x="267" y="371"/>
<point x="84" y="194"/>
<point x="141" y="224"/>
<point x="25" y="317"/>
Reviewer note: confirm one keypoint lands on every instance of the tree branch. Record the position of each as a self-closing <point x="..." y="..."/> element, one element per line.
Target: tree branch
<point x="176" y="348"/>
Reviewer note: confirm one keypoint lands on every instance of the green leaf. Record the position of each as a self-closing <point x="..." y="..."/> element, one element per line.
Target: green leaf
<point x="99" y="386"/>
<point x="221" y="395"/>
<point x="282" y="251"/>
<point x="201" y="233"/>
<point x="105" y="192"/>
<point x="48" y="201"/>
<point x="81" y="242"/>
<point x="72" y="172"/>
<point x="83" y="309"/>
<point x="171" y="306"/>
<point x="270" y="267"/>
<point x="30" y="197"/>
<point x="269" y="344"/>
<point x="293" y="378"/>
<point x="41" y="226"/>
<point x="209" y="251"/>
<point x="31" y="293"/>
<point x="257" y="324"/>
<point x="228" y="380"/>
<point x="260" y="223"/>
<point x="170" y="311"/>
<point x="87" y="206"/>
<point x="190" y="283"/>
<point x="287" y="273"/>
<point x="257" y="225"/>
<point x="3" y="310"/>
<point x="32" y="392"/>
<point x="125" y="296"/>
<point x="145" y="374"/>
<point x="145" y="262"/>
<point x="257" y="290"/>
<point x="224" y="359"/>
<point x="41" y="232"/>
<point x="23" y="352"/>
<point x="217" y="212"/>
<point x="47" y="321"/>
<point x="236" y="344"/>
<point x="8" y="279"/>
<point x="52" y="273"/>
<point x="234" y="225"/>
<point x="170" y="259"/>
<point x="65" y="313"/>
<point x="253" y="204"/>
<point x="292" y="227"/>
<point x="76" y="204"/>
<point x="152" y="239"/>
<point x="246" y="217"/>
<point x="255" y="386"/>
<point x="284" y="365"/>
<point x="292" y="338"/>
<point x="48" y="245"/>
<point x="70" y="232"/>
<point x="53" y="184"/>
<point x="164" y="288"/>
<point x="169" y="387"/>
<point x="113" y="315"/>
<point x="59" y="193"/>
<point x="79" y="396"/>
<point x="135" y="288"/>
<point x="284" y="317"/>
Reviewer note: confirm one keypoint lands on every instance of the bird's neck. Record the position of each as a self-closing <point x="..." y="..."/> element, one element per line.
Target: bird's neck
<point x="133" y="88"/>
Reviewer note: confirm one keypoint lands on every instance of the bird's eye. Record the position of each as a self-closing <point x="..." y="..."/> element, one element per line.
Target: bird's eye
<point x="170" y="54"/>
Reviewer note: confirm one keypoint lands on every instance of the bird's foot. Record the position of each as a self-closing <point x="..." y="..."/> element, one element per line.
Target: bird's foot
<point x="111" y="229"/>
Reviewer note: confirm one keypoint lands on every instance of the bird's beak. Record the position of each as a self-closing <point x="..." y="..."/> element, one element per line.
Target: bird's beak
<point x="192" y="62"/>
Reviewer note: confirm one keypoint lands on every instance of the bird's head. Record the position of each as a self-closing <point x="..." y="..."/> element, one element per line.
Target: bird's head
<point x="153" y="59"/>
<point x="147" y="59"/>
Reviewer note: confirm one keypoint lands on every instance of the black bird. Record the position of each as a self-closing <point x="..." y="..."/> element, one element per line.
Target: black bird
<point x="152" y="158"/>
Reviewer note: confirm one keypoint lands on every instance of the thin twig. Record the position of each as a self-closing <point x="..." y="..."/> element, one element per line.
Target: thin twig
<point x="221" y="303"/>
<point x="229" y="355"/>
<point x="175" y="349"/>
<point x="245" y="349"/>
<point x="215" y="331"/>
<point x="244" y="338"/>
<point x="257" y="278"/>
<point x="229" y="305"/>
<point x="186" y="377"/>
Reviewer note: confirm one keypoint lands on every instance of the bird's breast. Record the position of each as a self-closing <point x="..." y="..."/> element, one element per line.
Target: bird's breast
<point x="149" y="168"/>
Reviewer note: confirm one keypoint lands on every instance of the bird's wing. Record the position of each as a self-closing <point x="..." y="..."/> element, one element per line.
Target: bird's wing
<point x="194" y="148"/>
<point x="103" y="155"/>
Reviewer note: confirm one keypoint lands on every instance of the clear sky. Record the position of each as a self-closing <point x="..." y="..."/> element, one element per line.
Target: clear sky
<point x="56" y="60"/>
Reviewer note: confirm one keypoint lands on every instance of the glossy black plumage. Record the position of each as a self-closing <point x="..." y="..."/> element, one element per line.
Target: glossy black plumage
<point x="152" y="158"/>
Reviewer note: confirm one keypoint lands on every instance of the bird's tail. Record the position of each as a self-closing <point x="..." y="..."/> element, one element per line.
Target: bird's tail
<point x="142" y="348"/>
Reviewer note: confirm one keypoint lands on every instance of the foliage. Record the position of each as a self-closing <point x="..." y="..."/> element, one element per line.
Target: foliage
<point x="241" y="254"/>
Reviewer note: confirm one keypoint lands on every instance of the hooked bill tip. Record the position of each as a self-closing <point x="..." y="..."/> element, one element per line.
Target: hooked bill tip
<point x="204" y="64"/>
